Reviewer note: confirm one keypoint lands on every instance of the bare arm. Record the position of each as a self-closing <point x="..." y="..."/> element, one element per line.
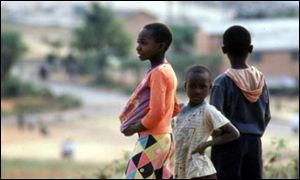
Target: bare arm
<point x="229" y="133"/>
<point x="134" y="128"/>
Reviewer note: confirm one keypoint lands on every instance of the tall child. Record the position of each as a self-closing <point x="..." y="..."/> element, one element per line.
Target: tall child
<point x="241" y="94"/>
<point x="151" y="107"/>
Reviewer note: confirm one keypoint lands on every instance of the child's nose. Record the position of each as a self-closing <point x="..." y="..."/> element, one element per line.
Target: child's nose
<point x="198" y="90"/>
<point x="138" y="48"/>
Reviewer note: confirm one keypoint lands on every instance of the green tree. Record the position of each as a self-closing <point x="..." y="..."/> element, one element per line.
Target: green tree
<point x="100" y="36"/>
<point x="56" y="46"/>
<point x="183" y="38"/>
<point x="12" y="48"/>
<point x="180" y="64"/>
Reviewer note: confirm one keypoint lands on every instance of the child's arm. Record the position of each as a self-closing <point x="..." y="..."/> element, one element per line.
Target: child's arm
<point x="176" y="108"/>
<point x="137" y="127"/>
<point x="217" y="97"/>
<point x="157" y="103"/>
<point x="229" y="133"/>
<point x="157" y="106"/>
<point x="267" y="109"/>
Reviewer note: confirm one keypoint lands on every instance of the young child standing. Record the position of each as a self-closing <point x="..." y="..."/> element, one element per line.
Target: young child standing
<point x="195" y="124"/>
<point x="151" y="107"/>
<point x="241" y="95"/>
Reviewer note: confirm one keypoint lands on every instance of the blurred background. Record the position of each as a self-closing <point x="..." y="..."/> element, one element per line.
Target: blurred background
<point x="67" y="69"/>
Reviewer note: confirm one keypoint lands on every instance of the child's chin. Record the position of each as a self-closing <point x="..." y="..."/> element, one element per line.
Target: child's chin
<point x="142" y="58"/>
<point x="196" y="101"/>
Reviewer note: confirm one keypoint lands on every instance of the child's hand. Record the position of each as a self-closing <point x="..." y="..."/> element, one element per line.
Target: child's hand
<point x="130" y="130"/>
<point x="134" y="128"/>
<point x="200" y="148"/>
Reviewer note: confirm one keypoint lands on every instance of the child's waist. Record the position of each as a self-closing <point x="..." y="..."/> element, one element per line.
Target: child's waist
<point x="157" y="130"/>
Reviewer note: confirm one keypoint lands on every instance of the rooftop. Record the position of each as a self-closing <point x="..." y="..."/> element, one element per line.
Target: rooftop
<point x="267" y="34"/>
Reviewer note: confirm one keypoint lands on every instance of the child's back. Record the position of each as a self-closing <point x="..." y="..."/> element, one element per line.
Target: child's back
<point x="242" y="96"/>
<point x="249" y="117"/>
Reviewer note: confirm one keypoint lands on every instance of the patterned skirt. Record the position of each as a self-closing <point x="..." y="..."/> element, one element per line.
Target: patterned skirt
<point x="153" y="158"/>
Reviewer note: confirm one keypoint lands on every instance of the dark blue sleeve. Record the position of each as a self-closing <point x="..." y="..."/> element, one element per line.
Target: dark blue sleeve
<point x="217" y="98"/>
<point x="267" y="108"/>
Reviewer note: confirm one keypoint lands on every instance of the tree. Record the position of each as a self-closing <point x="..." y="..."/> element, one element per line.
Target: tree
<point x="180" y="64"/>
<point x="183" y="38"/>
<point x="100" y="36"/>
<point x="12" y="48"/>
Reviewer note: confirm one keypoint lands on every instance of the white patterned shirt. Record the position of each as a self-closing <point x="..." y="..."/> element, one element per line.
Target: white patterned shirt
<point x="192" y="127"/>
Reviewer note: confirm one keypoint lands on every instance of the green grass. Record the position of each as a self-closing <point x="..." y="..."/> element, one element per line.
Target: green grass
<point x="17" y="168"/>
<point x="40" y="104"/>
<point x="279" y="163"/>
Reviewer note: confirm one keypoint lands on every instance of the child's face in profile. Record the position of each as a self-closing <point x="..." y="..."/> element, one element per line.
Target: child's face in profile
<point x="197" y="87"/>
<point x="146" y="45"/>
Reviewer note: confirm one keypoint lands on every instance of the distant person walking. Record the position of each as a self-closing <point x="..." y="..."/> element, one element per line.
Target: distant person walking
<point x="43" y="72"/>
<point x="67" y="149"/>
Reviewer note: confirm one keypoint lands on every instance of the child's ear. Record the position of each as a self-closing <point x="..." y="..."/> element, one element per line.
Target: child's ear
<point x="250" y="48"/>
<point x="224" y="49"/>
<point x="162" y="46"/>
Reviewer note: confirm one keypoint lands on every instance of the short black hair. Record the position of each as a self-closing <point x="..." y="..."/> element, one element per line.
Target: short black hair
<point x="198" y="69"/>
<point x="161" y="33"/>
<point x="237" y="40"/>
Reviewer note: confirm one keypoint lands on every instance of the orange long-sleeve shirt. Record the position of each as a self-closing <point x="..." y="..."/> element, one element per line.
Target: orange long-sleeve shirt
<point x="163" y="102"/>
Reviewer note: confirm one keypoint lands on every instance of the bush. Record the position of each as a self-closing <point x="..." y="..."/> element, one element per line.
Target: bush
<point x="14" y="87"/>
<point x="274" y="166"/>
<point x="12" y="49"/>
<point x="182" y="63"/>
<point x="67" y="101"/>
<point x="115" y="170"/>
<point x="284" y="91"/>
<point x="29" y="97"/>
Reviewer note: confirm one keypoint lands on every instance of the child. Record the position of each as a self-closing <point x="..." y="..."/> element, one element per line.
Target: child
<point x="151" y="107"/>
<point x="241" y="95"/>
<point x="195" y="124"/>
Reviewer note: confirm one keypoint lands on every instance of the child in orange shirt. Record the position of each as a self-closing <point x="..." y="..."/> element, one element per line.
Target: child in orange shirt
<point x="151" y="107"/>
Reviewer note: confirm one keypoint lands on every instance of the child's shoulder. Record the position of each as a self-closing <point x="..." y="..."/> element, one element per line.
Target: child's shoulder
<point x="164" y="67"/>
<point x="214" y="115"/>
<point x="183" y="108"/>
<point x="221" y="78"/>
<point x="163" y="70"/>
<point x="211" y="109"/>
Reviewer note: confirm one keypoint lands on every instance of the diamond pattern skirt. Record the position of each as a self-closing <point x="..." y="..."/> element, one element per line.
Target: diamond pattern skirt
<point x="153" y="158"/>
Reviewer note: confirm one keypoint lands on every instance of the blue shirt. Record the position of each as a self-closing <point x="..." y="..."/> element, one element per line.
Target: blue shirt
<point x="247" y="117"/>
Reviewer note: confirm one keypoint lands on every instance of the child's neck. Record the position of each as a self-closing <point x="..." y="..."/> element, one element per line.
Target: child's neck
<point x="239" y="66"/>
<point x="194" y="104"/>
<point x="241" y="63"/>
<point x="159" y="59"/>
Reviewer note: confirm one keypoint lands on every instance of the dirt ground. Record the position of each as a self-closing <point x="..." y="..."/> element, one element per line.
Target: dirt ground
<point x="95" y="140"/>
<point x="98" y="142"/>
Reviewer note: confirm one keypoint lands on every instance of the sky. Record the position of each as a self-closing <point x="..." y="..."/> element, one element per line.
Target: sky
<point x="161" y="9"/>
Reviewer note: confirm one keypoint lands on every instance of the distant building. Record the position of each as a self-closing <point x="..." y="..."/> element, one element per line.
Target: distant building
<point x="134" y="21"/>
<point x="49" y="13"/>
<point x="275" y="41"/>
